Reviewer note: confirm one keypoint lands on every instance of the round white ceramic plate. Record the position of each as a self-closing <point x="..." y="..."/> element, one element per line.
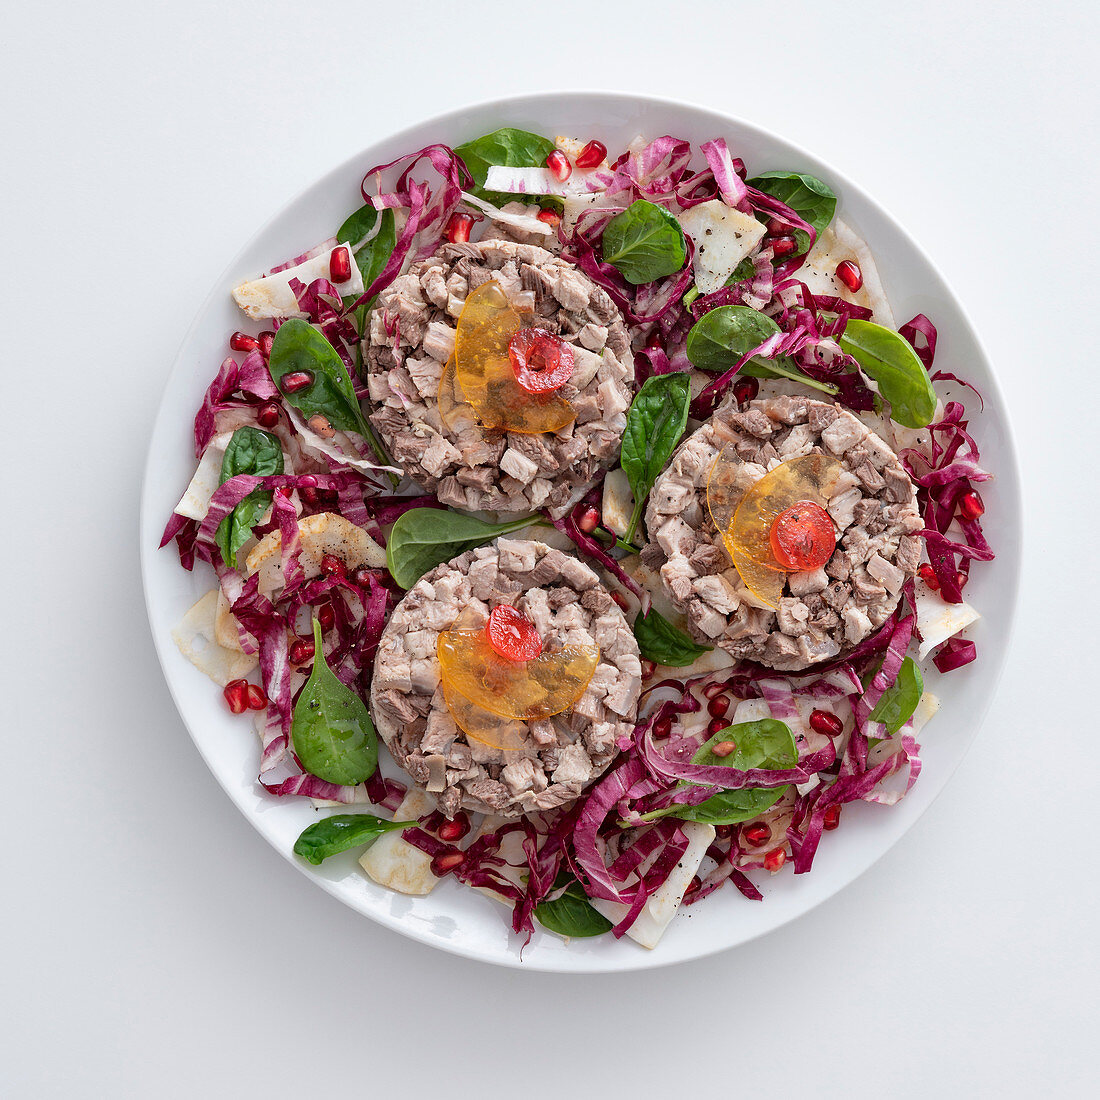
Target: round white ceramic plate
<point x="458" y="919"/>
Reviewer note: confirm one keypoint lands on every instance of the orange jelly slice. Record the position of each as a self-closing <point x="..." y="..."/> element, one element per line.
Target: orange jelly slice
<point x="745" y="515"/>
<point x="483" y="371"/>
<point x="481" y="725"/>
<point x="454" y="410"/>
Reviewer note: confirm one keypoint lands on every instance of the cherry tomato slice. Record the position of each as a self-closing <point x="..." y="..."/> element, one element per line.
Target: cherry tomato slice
<point x="542" y="362"/>
<point x="512" y="634"/>
<point x="803" y="537"/>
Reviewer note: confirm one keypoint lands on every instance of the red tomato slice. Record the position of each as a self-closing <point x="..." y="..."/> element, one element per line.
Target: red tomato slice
<point x="803" y="537"/>
<point x="542" y="361"/>
<point x="512" y="634"/>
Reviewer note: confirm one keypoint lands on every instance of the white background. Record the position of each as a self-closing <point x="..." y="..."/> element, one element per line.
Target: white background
<point x="151" y="943"/>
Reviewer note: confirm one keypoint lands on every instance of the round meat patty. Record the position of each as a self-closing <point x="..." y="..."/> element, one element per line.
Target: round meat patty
<point x="569" y="606"/>
<point x="823" y="612"/>
<point x="412" y="335"/>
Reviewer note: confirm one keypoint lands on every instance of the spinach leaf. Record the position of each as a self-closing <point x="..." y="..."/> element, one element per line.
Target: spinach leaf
<point x="508" y="146"/>
<point x="810" y="198"/>
<point x="654" y="424"/>
<point x="332" y="733"/>
<point x="746" y="269"/>
<point x="250" y="451"/>
<point x="664" y="643"/>
<point x="897" y="703"/>
<point x="298" y="346"/>
<point x="784" y="368"/>
<point x="422" y="538"/>
<point x="722" y="336"/>
<point x="339" y="833"/>
<point x="572" y="914"/>
<point x="645" y="242"/>
<point x="372" y="257"/>
<point x="891" y="361"/>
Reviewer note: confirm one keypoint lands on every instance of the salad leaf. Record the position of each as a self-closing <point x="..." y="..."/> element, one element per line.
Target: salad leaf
<point x="654" y="425"/>
<point x="331" y="730"/>
<point x="644" y="242"/>
<point x="298" y="346"/>
<point x="372" y="257"/>
<point x="891" y="361"/>
<point x="340" y="832"/>
<point x="722" y="336"/>
<point x="422" y="538"/>
<point x="810" y="198"/>
<point x="250" y="451"/>
<point x="572" y="914"/>
<point x="508" y="146"/>
<point x="897" y="703"/>
<point x="784" y="368"/>
<point x="664" y="643"/>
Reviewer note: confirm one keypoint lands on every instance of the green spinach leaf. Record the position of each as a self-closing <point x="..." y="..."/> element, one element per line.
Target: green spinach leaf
<point x="722" y="336"/>
<point x="250" y="451"/>
<point x="784" y="368"/>
<point x="897" y="703"/>
<point x="891" y="361"/>
<point x="422" y="538"/>
<point x="644" y="242"/>
<point x="664" y="643"/>
<point x="572" y="914"/>
<point x="656" y="421"/>
<point x="332" y="732"/>
<point x="810" y="198"/>
<point x="372" y="257"/>
<point x="340" y="832"/>
<point x="508" y="146"/>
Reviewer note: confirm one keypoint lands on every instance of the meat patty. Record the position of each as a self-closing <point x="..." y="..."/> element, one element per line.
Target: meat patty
<point x="411" y="337"/>
<point x="566" y="602"/>
<point x="873" y="506"/>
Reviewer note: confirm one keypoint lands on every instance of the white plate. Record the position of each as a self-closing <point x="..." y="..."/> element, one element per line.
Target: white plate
<point x="458" y="919"/>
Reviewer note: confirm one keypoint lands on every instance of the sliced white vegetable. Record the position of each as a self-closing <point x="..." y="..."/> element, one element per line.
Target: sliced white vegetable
<point x="618" y="502"/>
<point x="840" y="242"/>
<point x="527" y="222"/>
<point x="196" y="637"/>
<point x="938" y="620"/>
<point x="271" y="296"/>
<point x="393" y="862"/>
<point x="541" y="181"/>
<point x="195" y="502"/>
<point x="723" y="237"/>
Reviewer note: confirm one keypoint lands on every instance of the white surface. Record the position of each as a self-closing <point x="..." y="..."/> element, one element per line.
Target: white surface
<point x="153" y="943"/>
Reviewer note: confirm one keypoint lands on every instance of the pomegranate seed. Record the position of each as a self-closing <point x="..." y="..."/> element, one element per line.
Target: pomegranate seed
<point x="282" y="491"/>
<point x="648" y="668"/>
<point x="621" y="600"/>
<point x="458" y="228"/>
<point x="832" y="816"/>
<point x="662" y="727"/>
<point x="456" y="828"/>
<point x="241" y="341"/>
<point x="776" y="228"/>
<point x="362" y="577"/>
<point x="446" y="862"/>
<point x="928" y="575"/>
<point x="716" y="725"/>
<point x="775" y="859"/>
<point x="309" y="496"/>
<point x="718" y="706"/>
<point x="745" y="389"/>
<point x="326" y="616"/>
<point x="296" y="380"/>
<point x="783" y="246"/>
<point x="559" y="166"/>
<point x="850" y="275"/>
<point x="823" y="721"/>
<point x="339" y="265"/>
<point x="591" y="155"/>
<point x="757" y="834"/>
<point x="961" y="579"/>
<point x="551" y="217"/>
<point x="723" y="748"/>
<point x="332" y="566"/>
<point x="971" y="506"/>
<point x="301" y="652"/>
<point x="236" y="695"/>
<point x="723" y="832"/>
<point x="711" y="690"/>
<point x="266" y="339"/>
<point x="589" y="521"/>
<point x="257" y="697"/>
<point x="268" y="414"/>
<point x="653" y="340"/>
<point x="307" y="481"/>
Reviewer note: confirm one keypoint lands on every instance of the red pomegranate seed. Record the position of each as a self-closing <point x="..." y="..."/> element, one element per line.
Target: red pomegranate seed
<point x="928" y="575"/>
<point x="961" y="579"/>
<point x="589" y="521"/>
<point x="850" y="275"/>
<point x="716" y="725"/>
<point x="551" y="217"/>
<point x="296" y="380"/>
<point x="724" y="748"/>
<point x="512" y="634"/>
<point x="309" y="496"/>
<point x="266" y="339"/>
<point x="745" y="389"/>
<point x="332" y="566"/>
<point x="268" y="414"/>
<point x="326" y="616"/>
<point x="776" y="228"/>
<point x="648" y="668"/>
<point x="446" y="862"/>
<point x="591" y="155"/>
<point x="775" y="859"/>
<point x="559" y="166"/>
<point x="241" y="341"/>
<point x="282" y="491"/>
<point x="719" y="706"/>
<point x="307" y="481"/>
<point x="458" y="228"/>
<point x="456" y="828"/>
<point x="257" y="697"/>
<point x="621" y="600"/>
<point x="755" y="835"/>
<point x="662" y="727"/>
<point x="339" y="265"/>
<point x="236" y="695"/>
<point x="362" y="577"/>
<point x="823" y="721"/>
<point x="832" y="816"/>
<point x="782" y="246"/>
<point x="301" y="652"/>
<point x="723" y="832"/>
<point x="971" y="506"/>
<point x="653" y="340"/>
